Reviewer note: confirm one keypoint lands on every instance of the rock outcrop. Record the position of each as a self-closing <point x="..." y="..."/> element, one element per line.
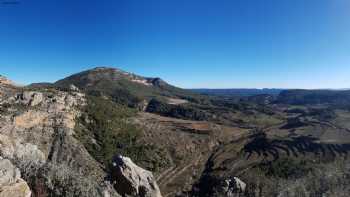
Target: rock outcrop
<point x="233" y="187"/>
<point x="5" y="81"/>
<point x="24" y="152"/>
<point x="31" y="98"/>
<point x="73" y="88"/>
<point x="130" y="179"/>
<point x="217" y="186"/>
<point x="37" y="136"/>
<point x="11" y="183"/>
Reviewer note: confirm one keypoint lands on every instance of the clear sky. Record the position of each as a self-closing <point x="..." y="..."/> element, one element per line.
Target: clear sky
<point x="189" y="43"/>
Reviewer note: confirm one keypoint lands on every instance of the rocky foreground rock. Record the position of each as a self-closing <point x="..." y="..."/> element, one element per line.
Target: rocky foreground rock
<point x="129" y="179"/>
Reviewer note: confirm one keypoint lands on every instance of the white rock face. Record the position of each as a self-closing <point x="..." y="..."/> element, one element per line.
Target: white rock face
<point x="31" y="98"/>
<point x="8" y="173"/>
<point x="73" y="88"/>
<point x="130" y="179"/>
<point x="233" y="187"/>
<point x="11" y="185"/>
<point x="240" y="185"/>
<point x="27" y="153"/>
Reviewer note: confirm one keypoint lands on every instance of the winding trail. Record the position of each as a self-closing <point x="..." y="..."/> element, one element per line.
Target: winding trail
<point x="175" y="172"/>
<point x="164" y="173"/>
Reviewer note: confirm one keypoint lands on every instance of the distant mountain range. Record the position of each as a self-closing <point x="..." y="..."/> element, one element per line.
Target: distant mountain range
<point x="238" y="91"/>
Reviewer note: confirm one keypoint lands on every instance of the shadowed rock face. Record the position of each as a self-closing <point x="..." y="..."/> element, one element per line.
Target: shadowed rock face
<point x="130" y="179"/>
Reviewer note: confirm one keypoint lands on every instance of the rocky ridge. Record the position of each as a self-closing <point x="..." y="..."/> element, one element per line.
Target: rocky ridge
<point x="37" y="139"/>
<point x="5" y="81"/>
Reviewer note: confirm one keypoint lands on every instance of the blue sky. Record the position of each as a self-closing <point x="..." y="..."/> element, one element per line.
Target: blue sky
<point x="189" y="43"/>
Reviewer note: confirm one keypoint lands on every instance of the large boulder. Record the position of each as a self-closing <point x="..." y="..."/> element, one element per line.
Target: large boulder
<point x="10" y="182"/>
<point x="233" y="187"/>
<point x="73" y="88"/>
<point x="130" y="179"/>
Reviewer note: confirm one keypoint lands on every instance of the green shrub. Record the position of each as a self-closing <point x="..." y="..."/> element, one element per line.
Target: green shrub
<point x="176" y="111"/>
<point x="105" y="131"/>
<point x="286" y="168"/>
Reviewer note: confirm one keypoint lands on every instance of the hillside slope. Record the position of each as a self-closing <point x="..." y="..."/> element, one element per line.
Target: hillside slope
<point x="124" y="87"/>
<point x="303" y="97"/>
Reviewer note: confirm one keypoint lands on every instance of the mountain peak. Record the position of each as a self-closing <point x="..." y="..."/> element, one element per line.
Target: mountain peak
<point x="127" y="88"/>
<point x="107" y="69"/>
<point x="158" y="82"/>
<point x="103" y="68"/>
